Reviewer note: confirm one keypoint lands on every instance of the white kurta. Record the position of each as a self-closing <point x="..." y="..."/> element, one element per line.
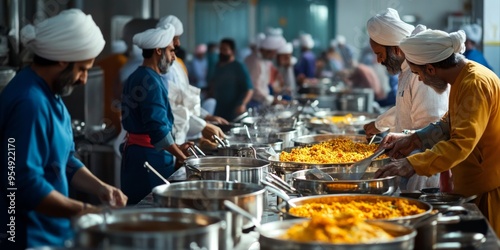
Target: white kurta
<point x="417" y="105"/>
<point x="185" y="103"/>
<point x="260" y="74"/>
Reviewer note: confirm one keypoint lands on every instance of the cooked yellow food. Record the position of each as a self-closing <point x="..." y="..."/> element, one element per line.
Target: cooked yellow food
<point x="346" y="119"/>
<point x="364" y="209"/>
<point x="345" y="228"/>
<point x="334" y="151"/>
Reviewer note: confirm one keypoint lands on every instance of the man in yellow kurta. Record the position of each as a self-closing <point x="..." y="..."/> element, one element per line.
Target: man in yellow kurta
<point x="467" y="139"/>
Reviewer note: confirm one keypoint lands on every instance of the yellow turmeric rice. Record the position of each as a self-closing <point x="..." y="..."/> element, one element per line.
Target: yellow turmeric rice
<point x="339" y="150"/>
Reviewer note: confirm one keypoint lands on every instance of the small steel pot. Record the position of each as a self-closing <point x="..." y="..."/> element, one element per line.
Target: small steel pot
<point x="155" y="228"/>
<point x="241" y="169"/>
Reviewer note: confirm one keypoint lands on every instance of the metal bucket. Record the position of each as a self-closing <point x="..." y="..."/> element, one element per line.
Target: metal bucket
<point x="155" y="228"/>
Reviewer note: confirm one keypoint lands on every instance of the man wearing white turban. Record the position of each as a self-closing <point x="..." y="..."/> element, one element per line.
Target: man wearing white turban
<point x="147" y="117"/>
<point x="473" y="33"/>
<point x="306" y="66"/>
<point x="36" y="209"/>
<point x="417" y="104"/>
<point x="261" y="67"/>
<point x="287" y="86"/>
<point x="190" y="118"/>
<point x="466" y="139"/>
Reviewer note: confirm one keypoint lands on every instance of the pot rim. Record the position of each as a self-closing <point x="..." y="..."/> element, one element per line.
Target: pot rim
<point x="160" y="193"/>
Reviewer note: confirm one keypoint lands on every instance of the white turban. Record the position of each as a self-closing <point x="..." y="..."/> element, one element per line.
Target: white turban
<point x="432" y="46"/>
<point x="306" y="41"/>
<point x="155" y="38"/>
<point x="387" y="28"/>
<point x="473" y="32"/>
<point x="174" y="21"/>
<point x="274" y="40"/>
<point x="287" y="49"/>
<point x="118" y="47"/>
<point x="70" y="36"/>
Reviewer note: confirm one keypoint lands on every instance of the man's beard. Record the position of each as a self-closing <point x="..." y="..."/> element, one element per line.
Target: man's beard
<point x="163" y="64"/>
<point x="392" y="62"/>
<point x="435" y="83"/>
<point x="65" y="83"/>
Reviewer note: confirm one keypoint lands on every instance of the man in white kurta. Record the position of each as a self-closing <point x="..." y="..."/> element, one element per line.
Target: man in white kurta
<point x="417" y="104"/>
<point x="185" y="101"/>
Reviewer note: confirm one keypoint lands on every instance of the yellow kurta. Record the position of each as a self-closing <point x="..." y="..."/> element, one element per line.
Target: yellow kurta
<point x="473" y="150"/>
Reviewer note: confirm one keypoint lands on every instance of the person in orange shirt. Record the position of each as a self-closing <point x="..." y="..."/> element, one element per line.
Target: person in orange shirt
<point x="466" y="139"/>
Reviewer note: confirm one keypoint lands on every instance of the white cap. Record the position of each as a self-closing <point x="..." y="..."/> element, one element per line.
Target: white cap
<point x="287" y="49"/>
<point x="306" y="41"/>
<point x="473" y="32"/>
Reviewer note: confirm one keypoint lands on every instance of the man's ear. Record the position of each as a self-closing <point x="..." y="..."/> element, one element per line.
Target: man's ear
<point x="63" y="64"/>
<point x="430" y="69"/>
<point x="158" y="51"/>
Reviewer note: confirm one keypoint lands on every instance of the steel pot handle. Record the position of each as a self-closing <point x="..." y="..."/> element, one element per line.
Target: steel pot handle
<point x="192" y="152"/>
<point x="280" y="193"/>
<point x="272" y="178"/>
<point x="149" y="167"/>
<point x="235" y="208"/>
<point x="196" y="175"/>
<point x="220" y="141"/>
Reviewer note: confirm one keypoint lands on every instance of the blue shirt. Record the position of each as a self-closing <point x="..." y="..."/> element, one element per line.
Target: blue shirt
<point x="306" y="65"/>
<point x="145" y="107"/>
<point x="476" y="56"/>
<point x="36" y="127"/>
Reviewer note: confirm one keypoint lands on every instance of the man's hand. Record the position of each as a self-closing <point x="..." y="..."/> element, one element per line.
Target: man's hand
<point x="112" y="196"/>
<point x="210" y="130"/>
<point x="240" y="109"/>
<point x="216" y="119"/>
<point x="371" y="130"/>
<point x="400" y="145"/>
<point x="400" y="167"/>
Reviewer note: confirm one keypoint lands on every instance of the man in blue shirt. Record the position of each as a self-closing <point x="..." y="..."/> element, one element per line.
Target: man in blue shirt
<point x="147" y="117"/>
<point x="37" y="148"/>
<point x="473" y="33"/>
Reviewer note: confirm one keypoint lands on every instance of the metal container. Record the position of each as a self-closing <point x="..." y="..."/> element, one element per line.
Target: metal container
<point x="286" y="135"/>
<point x="285" y="169"/>
<point x="358" y="197"/>
<point x="270" y="238"/>
<point x="322" y="121"/>
<point x="155" y="228"/>
<point x="241" y="169"/>
<point x="209" y="196"/>
<point x="368" y="185"/>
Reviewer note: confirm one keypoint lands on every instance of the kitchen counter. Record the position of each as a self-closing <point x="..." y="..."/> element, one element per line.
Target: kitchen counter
<point x="472" y="221"/>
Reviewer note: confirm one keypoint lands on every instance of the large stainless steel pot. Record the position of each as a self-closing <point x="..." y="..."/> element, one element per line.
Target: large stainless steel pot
<point x="286" y="135"/>
<point x="209" y="196"/>
<point x="364" y="197"/>
<point x="322" y="121"/>
<point x="155" y="228"/>
<point x="214" y="168"/>
<point x="270" y="238"/>
<point x="368" y="185"/>
<point x="285" y="169"/>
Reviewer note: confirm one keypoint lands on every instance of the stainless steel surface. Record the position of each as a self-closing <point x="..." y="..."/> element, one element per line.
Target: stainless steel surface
<point x="270" y="238"/>
<point x="153" y="228"/>
<point x="286" y="135"/>
<point x="321" y="121"/>
<point x="365" y="197"/>
<point x="370" y="185"/>
<point x="209" y="196"/>
<point x="235" y="208"/>
<point x="213" y="168"/>
<point x="317" y="174"/>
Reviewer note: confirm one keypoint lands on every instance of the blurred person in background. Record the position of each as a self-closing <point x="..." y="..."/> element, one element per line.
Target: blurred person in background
<point x="474" y="34"/>
<point x="212" y="59"/>
<point x="345" y="50"/>
<point x="191" y="121"/>
<point x="37" y="147"/>
<point x="231" y="85"/>
<point x="417" y="104"/>
<point x="285" y="84"/>
<point x="306" y="66"/>
<point x="261" y="66"/>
